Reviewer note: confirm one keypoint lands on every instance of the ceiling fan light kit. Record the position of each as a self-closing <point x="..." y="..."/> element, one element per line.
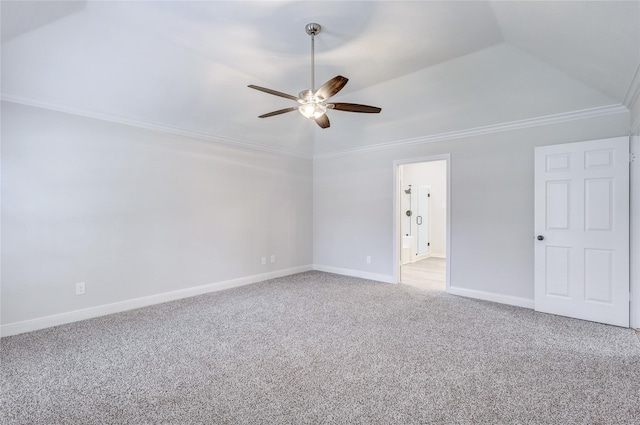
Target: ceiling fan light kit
<point x="313" y="103"/>
<point x="312" y="109"/>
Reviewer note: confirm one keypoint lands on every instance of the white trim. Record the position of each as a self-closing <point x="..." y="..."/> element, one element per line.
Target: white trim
<point x="634" y="234"/>
<point x="117" y="307"/>
<point x="490" y="129"/>
<point x="491" y="296"/>
<point x="396" y="243"/>
<point x="420" y="257"/>
<point x="425" y="256"/>
<point x="633" y="92"/>
<point x="477" y="131"/>
<point x="200" y="135"/>
<point x="355" y="273"/>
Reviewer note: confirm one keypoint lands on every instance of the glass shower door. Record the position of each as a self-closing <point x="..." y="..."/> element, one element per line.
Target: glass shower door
<point x="422" y="219"/>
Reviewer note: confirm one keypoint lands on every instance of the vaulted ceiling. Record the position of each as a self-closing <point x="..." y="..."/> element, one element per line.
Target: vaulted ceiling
<point x="434" y="67"/>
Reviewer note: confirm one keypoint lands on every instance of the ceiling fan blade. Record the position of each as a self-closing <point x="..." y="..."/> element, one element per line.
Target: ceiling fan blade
<point x="276" y="93"/>
<point x="355" y="107"/>
<point x="322" y="121"/>
<point x="278" y="112"/>
<point x="331" y="87"/>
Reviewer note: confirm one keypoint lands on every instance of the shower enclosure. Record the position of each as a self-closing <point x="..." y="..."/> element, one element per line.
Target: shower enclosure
<point x="415" y="224"/>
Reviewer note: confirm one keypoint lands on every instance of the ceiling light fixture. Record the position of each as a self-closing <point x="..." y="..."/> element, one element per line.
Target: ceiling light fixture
<point x="313" y="103"/>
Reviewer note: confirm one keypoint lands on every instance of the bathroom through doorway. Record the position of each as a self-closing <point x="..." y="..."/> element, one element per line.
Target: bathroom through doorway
<point x="423" y="223"/>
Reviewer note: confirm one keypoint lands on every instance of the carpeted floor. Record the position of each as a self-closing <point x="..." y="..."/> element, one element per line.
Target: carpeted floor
<point x="322" y="348"/>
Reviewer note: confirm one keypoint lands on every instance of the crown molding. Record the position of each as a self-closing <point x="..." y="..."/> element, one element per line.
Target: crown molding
<point x="489" y="129"/>
<point x="201" y="135"/>
<point x="477" y="131"/>
<point x="631" y="98"/>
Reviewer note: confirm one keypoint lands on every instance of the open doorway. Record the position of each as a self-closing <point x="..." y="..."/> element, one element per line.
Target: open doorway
<point x="422" y="224"/>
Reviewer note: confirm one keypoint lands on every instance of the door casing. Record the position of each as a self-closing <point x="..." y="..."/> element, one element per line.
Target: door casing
<point x="397" y="243"/>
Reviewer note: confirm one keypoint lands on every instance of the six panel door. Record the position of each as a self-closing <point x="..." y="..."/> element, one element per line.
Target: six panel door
<point x="582" y="230"/>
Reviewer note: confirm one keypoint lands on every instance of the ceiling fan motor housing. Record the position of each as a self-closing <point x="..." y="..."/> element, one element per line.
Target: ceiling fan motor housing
<point x="307" y="95"/>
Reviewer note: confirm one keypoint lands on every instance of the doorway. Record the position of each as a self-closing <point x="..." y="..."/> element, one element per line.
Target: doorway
<point x="422" y="224"/>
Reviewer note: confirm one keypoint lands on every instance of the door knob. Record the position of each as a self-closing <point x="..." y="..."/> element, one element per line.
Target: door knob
<point x="540" y="238"/>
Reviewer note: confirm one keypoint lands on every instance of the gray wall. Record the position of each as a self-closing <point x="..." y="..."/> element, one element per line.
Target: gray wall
<point x="133" y="212"/>
<point x="491" y="205"/>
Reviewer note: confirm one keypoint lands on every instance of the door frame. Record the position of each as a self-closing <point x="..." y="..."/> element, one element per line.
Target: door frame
<point x="634" y="231"/>
<point x="397" y="234"/>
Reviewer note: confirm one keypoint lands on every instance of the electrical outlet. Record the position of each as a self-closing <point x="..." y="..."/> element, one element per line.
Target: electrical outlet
<point x="368" y="259"/>
<point x="264" y="260"/>
<point x="273" y="258"/>
<point x="80" y="289"/>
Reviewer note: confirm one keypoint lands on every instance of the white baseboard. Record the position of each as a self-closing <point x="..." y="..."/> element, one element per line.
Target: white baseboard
<point x="491" y="296"/>
<point x="425" y="256"/>
<point x="106" y="309"/>
<point x="420" y="257"/>
<point x="355" y="273"/>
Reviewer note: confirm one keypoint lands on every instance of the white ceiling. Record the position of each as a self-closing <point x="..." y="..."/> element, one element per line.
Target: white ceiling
<point x="433" y="67"/>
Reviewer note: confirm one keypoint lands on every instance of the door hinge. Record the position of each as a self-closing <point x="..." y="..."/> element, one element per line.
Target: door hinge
<point x="428" y="195"/>
<point x="632" y="157"/>
<point x="428" y="243"/>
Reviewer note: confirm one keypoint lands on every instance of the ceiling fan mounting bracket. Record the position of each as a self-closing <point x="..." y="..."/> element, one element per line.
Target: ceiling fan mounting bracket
<point x="313" y="29"/>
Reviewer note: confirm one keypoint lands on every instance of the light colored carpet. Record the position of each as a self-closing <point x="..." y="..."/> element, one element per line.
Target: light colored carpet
<point x="323" y="348"/>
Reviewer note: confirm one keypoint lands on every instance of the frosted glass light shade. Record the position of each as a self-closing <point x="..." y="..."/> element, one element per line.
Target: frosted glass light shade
<point x="312" y="110"/>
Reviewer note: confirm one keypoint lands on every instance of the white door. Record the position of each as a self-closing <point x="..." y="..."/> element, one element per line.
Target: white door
<point x="582" y="230"/>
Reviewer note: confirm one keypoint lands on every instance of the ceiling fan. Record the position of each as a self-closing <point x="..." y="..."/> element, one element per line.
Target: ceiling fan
<point x="314" y="103"/>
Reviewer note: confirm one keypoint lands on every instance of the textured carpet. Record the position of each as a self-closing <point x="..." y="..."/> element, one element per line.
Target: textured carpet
<point x="323" y="348"/>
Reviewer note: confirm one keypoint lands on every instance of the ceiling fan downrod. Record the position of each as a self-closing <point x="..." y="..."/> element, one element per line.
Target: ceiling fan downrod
<point x="313" y="29"/>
